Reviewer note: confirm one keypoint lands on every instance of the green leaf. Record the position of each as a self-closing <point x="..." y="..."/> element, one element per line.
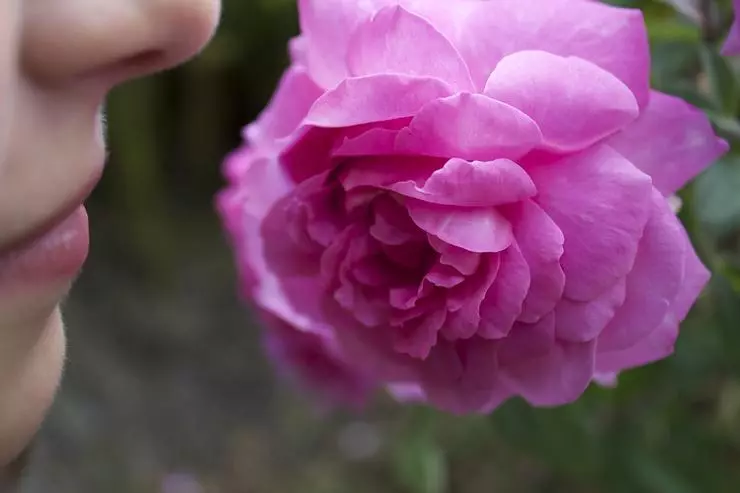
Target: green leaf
<point x="422" y="468"/>
<point x="420" y="463"/>
<point x="717" y="198"/>
<point x="688" y="8"/>
<point x="727" y="127"/>
<point x="723" y="85"/>
<point x="657" y="478"/>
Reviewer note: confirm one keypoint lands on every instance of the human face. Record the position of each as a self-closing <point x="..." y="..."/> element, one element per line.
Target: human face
<point x="58" y="59"/>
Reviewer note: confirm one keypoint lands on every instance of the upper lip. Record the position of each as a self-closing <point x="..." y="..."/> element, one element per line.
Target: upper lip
<point x="53" y="220"/>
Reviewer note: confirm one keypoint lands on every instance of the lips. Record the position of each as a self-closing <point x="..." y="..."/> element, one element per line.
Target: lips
<point x="52" y="252"/>
<point x="53" y="221"/>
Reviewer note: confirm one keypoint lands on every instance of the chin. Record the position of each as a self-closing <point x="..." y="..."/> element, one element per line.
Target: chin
<point x="27" y="397"/>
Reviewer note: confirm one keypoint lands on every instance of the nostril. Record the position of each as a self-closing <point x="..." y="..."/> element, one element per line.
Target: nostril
<point x="141" y="59"/>
<point x="108" y="75"/>
<point x="134" y="65"/>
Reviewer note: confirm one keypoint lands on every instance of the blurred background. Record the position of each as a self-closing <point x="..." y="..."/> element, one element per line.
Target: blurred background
<point x="168" y="390"/>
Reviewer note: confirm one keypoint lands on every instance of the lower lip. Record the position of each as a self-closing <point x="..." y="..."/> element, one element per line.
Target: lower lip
<point x="57" y="256"/>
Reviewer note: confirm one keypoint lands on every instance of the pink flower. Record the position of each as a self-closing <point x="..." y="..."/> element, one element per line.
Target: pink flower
<point x="732" y="43"/>
<point x="471" y="197"/>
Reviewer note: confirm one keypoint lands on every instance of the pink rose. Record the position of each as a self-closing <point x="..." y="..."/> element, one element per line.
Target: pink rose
<point x="732" y="43"/>
<point x="471" y="196"/>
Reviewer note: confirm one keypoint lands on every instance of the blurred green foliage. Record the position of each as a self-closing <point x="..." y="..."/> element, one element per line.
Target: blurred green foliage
<point x="672" y="427"/>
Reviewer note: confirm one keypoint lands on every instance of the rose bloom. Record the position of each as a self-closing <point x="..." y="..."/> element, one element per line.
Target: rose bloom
<point x="732" y="43"/>
<point x="471" y="197"/>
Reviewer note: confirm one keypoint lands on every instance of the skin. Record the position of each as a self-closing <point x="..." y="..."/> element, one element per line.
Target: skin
<point x="58" y="60"/>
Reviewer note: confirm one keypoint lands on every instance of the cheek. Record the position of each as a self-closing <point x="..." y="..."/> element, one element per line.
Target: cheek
<point x="27" y="390"/>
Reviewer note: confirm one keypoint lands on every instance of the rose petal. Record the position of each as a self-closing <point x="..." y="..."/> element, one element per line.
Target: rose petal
<point x="464" y="322"/>
<point x="326" y="27"/>
<point x="444" y="276"/>
<point x="503" y="302"/>
<point x="574" y="102"/>
<point x="374" y="98"/>
<point x="298" y="50"/>
<point x="372" y="139"/>
<point x="392" y="224"/>
<point x="654" y="281"/>
<point x="732" y="43"/>
<point x="456" y="182"/>
<point x="541" y="242"/>
<point x="473" y="184"/>
<point x="479" y="229"/>
<point x="671" y="141"/>
<point x="385" y="171"/>
<point x="308" y="152"/>
<point x="695" y="278"/>
<point x="315" y="361"/>
<point x="527" y="341"/>
<point x="399" y="42"/>
<point x="544" y="370"/>
<point x="291" y="229"/>
<point x="461" y="377"/>
<point x="657" y="345"/>
<point x="601" y="203"/>
<point x="469" y="126"/>
<point x="407" y="392"/>
<point x="376" y="141"/>
<point x="259" y="182"/>
<point x="370" y="349"/>
<point x="295" y="95"/>
<point x="581" y="321"/>
<point x="485" y="32"/>
<point x="463" y="261"/>
<point x="417" y="337"/>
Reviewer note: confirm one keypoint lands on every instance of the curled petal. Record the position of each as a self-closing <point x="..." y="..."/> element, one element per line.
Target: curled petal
<point x="463" y="261"/>
<point x="456" y="182"/>
<point x="295" y="95"/>
<point x="374" y="98"/>
<point x="480" y="183"/>
<point x="469" y="126"/>
<point x="375" y="141"/>
<point x="400" y="42"/>
<point x="472" y="184"/>
<point x="671" y="141"/>
<point x="327" y="27"/>
<point x="574" y="102"/>
<point x="476" y="229"/>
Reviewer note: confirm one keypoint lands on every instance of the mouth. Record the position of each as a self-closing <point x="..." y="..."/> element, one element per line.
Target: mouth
<point x="51" y="223"/>
<point x="53" y="252"/>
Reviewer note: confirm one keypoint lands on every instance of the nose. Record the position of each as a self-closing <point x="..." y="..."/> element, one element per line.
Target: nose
<point x="110" y="41"/>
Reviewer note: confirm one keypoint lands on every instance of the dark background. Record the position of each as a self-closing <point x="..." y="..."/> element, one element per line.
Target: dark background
<point x="167" y="389"/>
